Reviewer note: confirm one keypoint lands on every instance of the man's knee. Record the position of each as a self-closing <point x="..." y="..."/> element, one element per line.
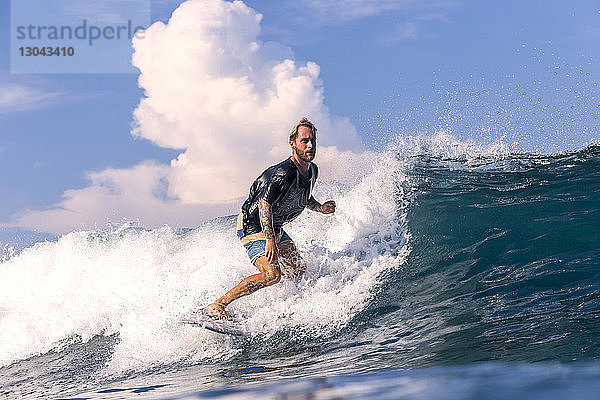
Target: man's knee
<point x="273" y="275"/>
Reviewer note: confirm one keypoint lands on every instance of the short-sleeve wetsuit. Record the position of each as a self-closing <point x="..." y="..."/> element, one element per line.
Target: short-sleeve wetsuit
<point x="285" y="189"/>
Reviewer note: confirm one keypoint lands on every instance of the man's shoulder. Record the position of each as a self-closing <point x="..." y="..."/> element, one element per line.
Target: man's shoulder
<point x="285" y="169"/>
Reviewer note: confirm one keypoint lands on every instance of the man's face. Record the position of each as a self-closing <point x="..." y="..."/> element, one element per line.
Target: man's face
<point x="305" y="145"/>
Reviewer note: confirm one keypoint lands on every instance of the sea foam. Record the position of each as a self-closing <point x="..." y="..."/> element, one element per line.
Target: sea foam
<point x="135" y="284"/>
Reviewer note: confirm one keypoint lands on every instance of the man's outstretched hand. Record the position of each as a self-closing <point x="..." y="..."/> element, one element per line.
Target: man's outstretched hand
<point x="328" y="207"/>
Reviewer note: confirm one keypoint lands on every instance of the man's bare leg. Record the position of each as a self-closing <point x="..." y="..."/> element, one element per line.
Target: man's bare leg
<point x="269" y="275"/>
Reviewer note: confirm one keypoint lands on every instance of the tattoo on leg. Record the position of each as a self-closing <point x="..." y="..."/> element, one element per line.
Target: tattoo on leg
<point x="221" y="303"/>
<point x="254" y="286"/>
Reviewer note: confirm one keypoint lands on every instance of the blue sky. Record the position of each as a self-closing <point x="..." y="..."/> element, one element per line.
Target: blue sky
<point x="527" y="71"/>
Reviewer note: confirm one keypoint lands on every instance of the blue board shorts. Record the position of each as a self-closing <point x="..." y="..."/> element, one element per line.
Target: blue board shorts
<point x="256" y="248"/>
<point x="255" y="244"/>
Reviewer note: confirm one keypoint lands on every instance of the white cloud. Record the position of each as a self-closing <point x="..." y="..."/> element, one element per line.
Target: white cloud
<point x="117" y="195"/>
<point x="223" y="97"/>
<point x="16" y="97"/>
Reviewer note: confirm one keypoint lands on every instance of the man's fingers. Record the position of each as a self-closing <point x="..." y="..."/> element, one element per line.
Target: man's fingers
<point x="271" y="252"/>
<point x="328" y="207"/>
<point x="271" y="256"/>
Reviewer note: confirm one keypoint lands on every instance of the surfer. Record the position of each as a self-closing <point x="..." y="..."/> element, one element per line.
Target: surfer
<point x="276" y="197"/>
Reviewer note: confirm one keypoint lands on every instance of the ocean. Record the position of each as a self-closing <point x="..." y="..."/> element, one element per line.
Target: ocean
<point x="450" y="270"/>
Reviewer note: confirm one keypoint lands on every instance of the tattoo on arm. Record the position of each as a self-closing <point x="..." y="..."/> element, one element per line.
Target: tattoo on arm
<point x="313" y="204"/>
<point x="266" y="219"/>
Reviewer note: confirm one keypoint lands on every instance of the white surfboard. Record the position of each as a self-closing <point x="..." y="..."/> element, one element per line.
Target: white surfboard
<point x="222" y="326"/>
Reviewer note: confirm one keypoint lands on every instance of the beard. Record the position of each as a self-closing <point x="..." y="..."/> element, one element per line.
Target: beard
<point x="305" y="156"/>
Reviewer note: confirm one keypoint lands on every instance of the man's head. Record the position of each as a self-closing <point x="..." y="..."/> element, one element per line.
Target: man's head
<point x="303" y="140"/>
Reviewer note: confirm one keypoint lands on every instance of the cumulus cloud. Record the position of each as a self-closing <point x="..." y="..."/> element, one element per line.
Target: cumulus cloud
<point x="116" y="195"/>
<point x="225" y="99"/>
<point x="16" y="97"/>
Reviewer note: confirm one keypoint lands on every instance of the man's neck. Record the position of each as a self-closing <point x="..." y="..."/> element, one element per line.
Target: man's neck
<point x="302" y="165"/>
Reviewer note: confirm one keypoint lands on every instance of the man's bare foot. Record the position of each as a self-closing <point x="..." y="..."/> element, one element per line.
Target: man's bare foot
<point x="217" y="311"/>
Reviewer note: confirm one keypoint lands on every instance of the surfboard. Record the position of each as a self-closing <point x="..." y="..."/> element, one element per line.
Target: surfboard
<point x="224" y="327"/>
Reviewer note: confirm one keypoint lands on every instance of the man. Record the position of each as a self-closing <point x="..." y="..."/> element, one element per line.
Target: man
<point x="276" y="197"/>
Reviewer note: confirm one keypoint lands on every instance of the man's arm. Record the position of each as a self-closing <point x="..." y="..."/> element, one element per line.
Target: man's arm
<point x="266" y="222"/>
<point x="326" y="208"/>
<point x="266" y="219"/>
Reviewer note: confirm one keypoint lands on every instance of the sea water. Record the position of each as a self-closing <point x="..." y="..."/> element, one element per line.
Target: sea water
<point x="449" y="270"/>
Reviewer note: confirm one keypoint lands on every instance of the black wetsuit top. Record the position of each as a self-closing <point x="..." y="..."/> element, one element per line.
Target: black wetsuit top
<point x="285" y="189"/>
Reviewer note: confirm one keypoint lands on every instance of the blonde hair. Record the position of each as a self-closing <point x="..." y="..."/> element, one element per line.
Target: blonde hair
<point x="303" y="122"/>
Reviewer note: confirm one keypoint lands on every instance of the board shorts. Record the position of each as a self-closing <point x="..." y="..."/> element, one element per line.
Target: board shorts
<point x="256" y="243"/>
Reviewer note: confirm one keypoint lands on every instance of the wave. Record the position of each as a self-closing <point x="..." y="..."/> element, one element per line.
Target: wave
<point x="443" y="252"/>
<point x="504" y="262"/>
<point x="134" y="284"/>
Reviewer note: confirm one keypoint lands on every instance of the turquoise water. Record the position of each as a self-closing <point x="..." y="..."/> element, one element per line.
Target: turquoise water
<point x="445" y="274"/>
